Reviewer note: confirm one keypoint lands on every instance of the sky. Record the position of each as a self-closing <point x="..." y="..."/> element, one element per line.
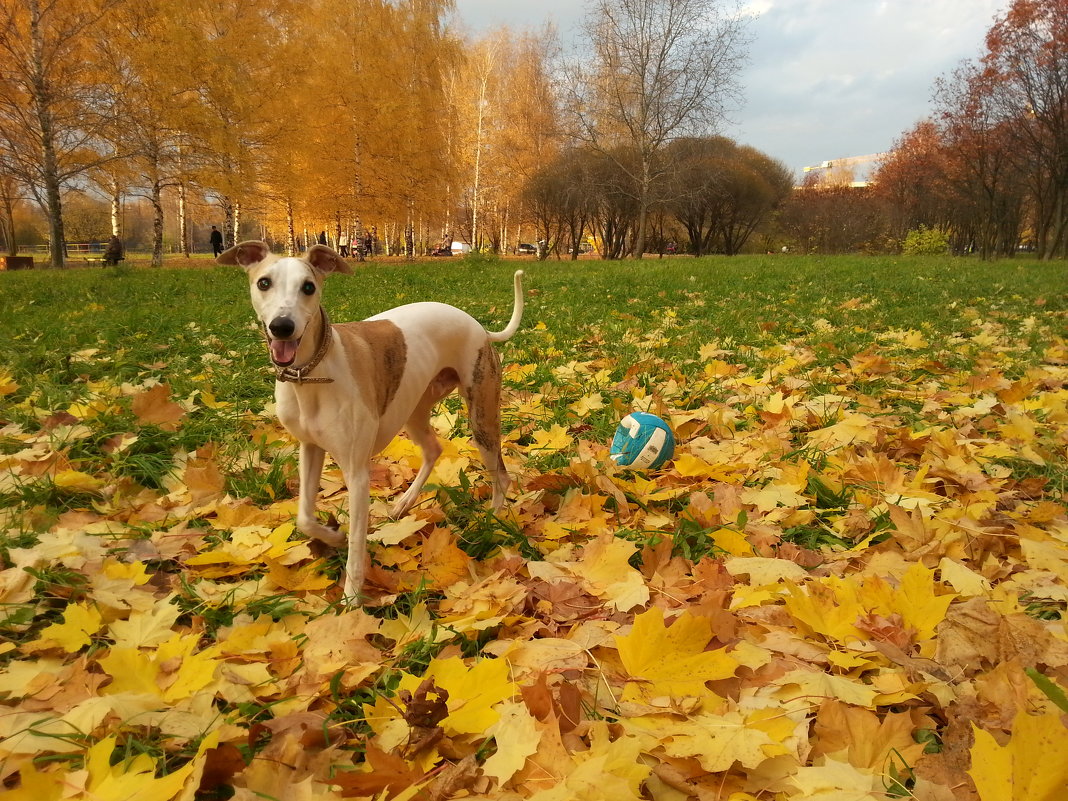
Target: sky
<point x="826" y="79"/>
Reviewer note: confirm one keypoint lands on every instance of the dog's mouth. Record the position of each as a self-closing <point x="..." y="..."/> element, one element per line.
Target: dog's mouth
<point x="283" y="351"/>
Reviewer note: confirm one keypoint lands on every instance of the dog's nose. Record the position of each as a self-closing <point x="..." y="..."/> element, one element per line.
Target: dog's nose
<point x="282" y="327"/>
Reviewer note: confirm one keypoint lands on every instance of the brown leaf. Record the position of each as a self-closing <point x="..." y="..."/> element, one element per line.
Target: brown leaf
<point x="388" y="772"/>
<point x="155" y="407"/>
<point x="221" y="764"/>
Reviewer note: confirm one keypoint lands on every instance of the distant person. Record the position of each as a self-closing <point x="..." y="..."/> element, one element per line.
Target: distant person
<point x="322" y="237"/>
<point x="216" y="241"/>
<point x="113" y="254"/>
<point x="343" y="246"/>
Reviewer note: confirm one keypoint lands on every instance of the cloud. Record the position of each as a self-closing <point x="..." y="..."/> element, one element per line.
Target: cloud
<point x="825" y="78"/>
<point x="834" y="78"/>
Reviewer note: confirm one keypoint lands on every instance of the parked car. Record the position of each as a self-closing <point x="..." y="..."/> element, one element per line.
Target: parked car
<point x="525" y="249"/>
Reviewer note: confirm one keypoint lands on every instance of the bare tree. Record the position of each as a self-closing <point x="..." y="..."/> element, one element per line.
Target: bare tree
<point x="656" y="70"/>
<point x="1026" y="66"/>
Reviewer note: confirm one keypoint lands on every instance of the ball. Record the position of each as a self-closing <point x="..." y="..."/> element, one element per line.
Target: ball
<point x="642" y="441"/>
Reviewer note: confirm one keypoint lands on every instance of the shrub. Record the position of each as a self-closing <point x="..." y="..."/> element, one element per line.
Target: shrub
<point x="481" y="258"/>
<point x="924" y="241"/>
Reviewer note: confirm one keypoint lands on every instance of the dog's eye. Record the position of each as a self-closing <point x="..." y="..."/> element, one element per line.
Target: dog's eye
<point x="263" y="284"/>
<point x="308" y="288"/>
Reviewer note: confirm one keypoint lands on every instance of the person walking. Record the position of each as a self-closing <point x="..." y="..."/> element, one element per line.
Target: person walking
<point x="216" y="241"/>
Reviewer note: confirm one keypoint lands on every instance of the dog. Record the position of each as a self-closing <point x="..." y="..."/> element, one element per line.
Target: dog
<point x="348" y="389"/>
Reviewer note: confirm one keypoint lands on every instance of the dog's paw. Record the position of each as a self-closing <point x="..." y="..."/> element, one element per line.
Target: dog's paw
<point x="328" y="536"/>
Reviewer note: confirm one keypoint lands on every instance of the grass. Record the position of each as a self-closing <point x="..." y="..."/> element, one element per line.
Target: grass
<point x="719" y="341"/>
<point x="644" y="322"/>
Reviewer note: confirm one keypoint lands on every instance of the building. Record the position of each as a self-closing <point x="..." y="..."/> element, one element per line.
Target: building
<point x="856" y="171"/>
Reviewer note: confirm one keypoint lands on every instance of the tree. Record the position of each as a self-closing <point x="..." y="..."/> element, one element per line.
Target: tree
<point x="978" y="166"/>
<point x="722" y="191"/>
<point x="834" y="219"/>
<point x="54" y="102"/>
<point x="1026" y="65"/>
<point x="911" y="180"/>
<point x="657" y="70"/>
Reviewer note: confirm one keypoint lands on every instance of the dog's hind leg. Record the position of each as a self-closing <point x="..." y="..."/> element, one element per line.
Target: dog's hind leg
<point x="422" y="434"/>
<point x="483" y="398"/>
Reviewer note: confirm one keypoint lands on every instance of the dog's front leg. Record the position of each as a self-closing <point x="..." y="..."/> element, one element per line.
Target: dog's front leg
<point x="311" y="470"/>
<point x="358" y="478"/>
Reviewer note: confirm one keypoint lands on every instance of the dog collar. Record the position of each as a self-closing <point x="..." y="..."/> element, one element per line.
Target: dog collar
<point x="299" y="375"/>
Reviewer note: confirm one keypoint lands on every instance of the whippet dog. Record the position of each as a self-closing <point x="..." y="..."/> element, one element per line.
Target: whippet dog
<point x="347" y="389"/>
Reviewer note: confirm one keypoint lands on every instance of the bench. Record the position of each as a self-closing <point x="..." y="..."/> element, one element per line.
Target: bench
<point x="101" y="260"/>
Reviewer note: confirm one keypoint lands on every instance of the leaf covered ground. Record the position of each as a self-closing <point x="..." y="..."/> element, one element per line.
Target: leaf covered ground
<point x="850" y="582"/>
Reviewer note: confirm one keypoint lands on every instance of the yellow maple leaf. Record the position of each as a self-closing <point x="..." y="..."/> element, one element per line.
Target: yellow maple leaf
<point x="134" y="571"/>
<point x="836" y="781"/>
<point x="1028" y="768"/>
<point x="815" y="685"/>
<point x="609" y="769"/>
<point x="419" y="625"/>
<point x="8" y="384"/>
<point x="394" y="532"/>
<point x="80" y="622"/>
<point x="961" y="578"/>
<point x="517" y="736"/>
<point x="135" y="779"/>
<point x="588" y="403"/>
<point x="36" y="786"/>
<point x="77" y="480"/>
<point x="605" y="569"/>
<point x="131" y="671"/>
<point x="195" y="673"/>
<point x="920" y="607"/>
<point x="670" y="661"/>
<point x="554" y="439"/>
<point x="307" y="578"/>
<point x="146" y="629"/>
<point x="688" y="465"/>
<point x="732" y="541"/>
<point x="474" y="692"/>
<point x="829" y="608"/>
<point x="718" y="741"/>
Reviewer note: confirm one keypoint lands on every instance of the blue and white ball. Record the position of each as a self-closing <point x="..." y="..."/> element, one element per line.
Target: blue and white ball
<point x="642" y="441"/>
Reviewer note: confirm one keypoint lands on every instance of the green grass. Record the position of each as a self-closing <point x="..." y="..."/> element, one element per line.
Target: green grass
<point x="142" y="317"/>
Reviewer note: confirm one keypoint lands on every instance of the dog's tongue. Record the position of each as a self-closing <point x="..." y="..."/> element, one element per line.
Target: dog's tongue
<point x="283" y="351"/>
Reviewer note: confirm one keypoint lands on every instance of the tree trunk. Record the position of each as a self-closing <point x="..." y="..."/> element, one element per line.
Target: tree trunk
<point x="7" y="222"/>
<point x="643" y="209"/>
<point x="157" y="225"/>
<point x="409" y="234"/>
<point x="183" y="220"/>
<point x="116" y="210"/>
<point x="42" y="92"/>
<point x="291" y="236"/>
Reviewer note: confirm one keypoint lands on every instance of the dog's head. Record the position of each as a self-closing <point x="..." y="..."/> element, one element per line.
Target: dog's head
<point x="285" y="290"/>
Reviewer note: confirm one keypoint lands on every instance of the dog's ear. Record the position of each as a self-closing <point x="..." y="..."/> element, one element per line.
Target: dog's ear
<point x="244" y="254"/>
<point x="325" y="260"/>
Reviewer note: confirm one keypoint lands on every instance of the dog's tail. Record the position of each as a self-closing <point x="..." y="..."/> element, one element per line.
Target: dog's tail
<point x="517" y="313"/>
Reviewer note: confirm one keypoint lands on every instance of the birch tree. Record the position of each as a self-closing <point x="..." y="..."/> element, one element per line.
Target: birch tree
<point x="656" y="70"/>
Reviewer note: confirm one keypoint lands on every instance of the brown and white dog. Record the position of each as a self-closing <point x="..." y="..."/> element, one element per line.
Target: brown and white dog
<point x="347" y="389"/>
